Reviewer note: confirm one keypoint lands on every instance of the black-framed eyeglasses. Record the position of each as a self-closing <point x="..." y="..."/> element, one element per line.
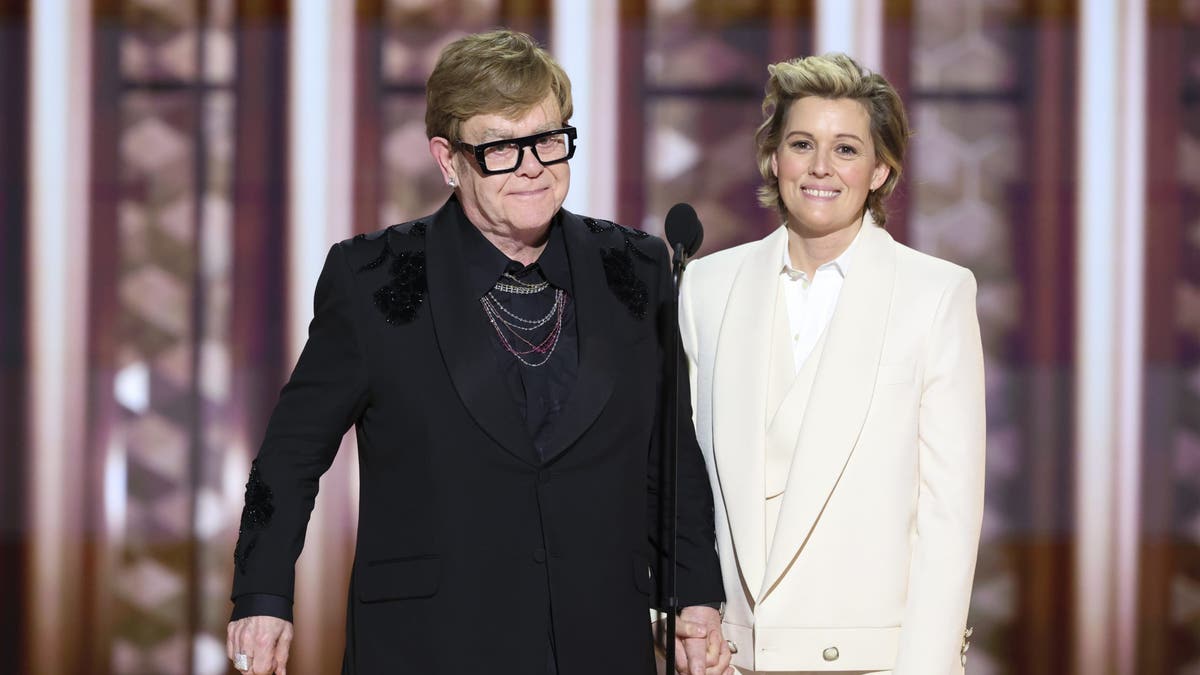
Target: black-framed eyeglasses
<point x="504" y="156"/>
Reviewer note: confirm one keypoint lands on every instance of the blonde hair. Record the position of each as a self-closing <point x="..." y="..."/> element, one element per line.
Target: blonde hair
<point x="502" y="72"/>
<point x="832" y="76"/>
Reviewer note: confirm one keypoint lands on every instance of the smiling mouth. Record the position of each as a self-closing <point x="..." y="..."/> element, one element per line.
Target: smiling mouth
<point x="528" y="193"/>
<point x="823" y="194"/>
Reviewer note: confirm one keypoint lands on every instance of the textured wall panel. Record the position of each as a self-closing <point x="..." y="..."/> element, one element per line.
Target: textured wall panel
<point x="988" y="179"/>
<point x="1184" y="610"/>
<point x="694" y="100"/>
<point x="164" y="401"/>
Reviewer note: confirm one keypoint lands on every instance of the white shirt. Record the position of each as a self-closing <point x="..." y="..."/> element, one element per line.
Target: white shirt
<point x="810" y="303"/>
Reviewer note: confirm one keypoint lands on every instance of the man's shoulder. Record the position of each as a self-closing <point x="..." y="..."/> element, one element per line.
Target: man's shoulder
<point x="369" y="250"/>
<point x="609" y="234"/>
<point x="415" y="229"/>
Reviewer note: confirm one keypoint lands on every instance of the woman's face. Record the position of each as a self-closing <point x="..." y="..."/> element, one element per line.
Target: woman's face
<point x="826" y="164"/>
<point x="521" y="203"/>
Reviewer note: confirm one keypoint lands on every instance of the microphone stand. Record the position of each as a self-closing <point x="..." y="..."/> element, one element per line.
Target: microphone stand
<point x="678" y="262"/>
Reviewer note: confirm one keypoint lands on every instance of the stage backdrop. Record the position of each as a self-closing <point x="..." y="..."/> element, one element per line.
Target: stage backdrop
<point x="172" y="171"/>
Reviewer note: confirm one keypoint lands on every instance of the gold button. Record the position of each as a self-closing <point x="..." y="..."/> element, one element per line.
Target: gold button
<point x="830" y="654"/>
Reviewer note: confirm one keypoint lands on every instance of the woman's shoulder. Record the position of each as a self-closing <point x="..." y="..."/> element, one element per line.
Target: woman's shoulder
<point x="926" y="283"/>
<point x="929" y="270"/>
<point x="721" y="266"/>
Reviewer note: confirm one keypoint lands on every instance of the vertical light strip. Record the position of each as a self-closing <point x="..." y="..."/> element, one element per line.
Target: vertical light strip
<point x="1111" y="166"/>
<point x="321" y="80"/>
<point x="584" y="40"/>
<point x="310" y="62"/>
<point x="1096" y="344"/>
<point x="851" y="26"/>
<point x="60" y="108"/>
<point x="340" y="224"/>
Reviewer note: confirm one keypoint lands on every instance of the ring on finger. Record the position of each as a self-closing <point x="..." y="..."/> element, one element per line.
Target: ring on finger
<point x="242" y="661"/>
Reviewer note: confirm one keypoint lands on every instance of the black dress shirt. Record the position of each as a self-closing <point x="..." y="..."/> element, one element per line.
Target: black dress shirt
<point x="540" y="391"/>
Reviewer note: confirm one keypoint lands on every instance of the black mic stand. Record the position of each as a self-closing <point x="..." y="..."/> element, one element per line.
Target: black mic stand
<point x="678" y="263"/>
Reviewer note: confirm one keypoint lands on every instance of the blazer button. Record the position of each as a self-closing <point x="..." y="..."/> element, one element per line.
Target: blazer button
<point x="539" y="556"/>
<point x="830" y="654"/>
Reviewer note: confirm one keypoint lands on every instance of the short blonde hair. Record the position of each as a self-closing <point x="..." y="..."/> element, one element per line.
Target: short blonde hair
<point x="832" y="76"/>
<point x="502" y="72"/>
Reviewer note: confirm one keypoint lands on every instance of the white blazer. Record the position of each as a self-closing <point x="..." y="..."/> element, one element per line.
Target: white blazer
<point x="872" y="560"/>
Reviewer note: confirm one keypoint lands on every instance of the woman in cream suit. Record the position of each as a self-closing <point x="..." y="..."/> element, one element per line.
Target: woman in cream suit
<point x="839" y="400"/>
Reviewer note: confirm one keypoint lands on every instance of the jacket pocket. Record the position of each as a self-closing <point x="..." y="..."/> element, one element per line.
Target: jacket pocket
<point x="415" y="576"/>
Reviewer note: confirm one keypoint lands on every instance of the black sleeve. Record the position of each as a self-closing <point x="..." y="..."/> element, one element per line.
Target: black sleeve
<point x="698" y="570"/>
<point x="262" y="604"/>
<point x="324" y="396"/>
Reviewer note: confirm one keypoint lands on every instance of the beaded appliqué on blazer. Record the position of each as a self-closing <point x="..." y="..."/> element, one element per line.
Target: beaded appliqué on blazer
<point x="255" y="515"/>
<point x="618" y="266"/>
<point x="624" y="282"/>
<point x="400" y="298"/>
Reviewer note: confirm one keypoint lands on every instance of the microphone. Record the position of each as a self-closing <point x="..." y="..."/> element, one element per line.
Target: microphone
<point x="684" y="232"/>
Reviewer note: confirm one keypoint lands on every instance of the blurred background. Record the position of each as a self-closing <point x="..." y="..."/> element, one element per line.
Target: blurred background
<point x="173" y="171"/>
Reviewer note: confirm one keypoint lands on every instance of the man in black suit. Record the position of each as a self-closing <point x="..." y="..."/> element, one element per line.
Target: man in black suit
<point x="502" y="362"/>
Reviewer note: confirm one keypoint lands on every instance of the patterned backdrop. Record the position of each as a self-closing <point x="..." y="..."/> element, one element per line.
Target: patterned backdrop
<point x="161" y="403"/>
<point x="704" y="72"/>
<point x="1184" y="606"/>
<point x="187" y="275"/>
<point x="965" y="108"/>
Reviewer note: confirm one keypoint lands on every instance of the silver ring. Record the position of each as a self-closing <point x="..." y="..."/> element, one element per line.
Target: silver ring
<point x="732" y="646"/>
<point x="242" y="661"/>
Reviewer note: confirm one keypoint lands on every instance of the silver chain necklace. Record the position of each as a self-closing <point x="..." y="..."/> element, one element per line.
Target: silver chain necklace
<point x="545" y="348"/>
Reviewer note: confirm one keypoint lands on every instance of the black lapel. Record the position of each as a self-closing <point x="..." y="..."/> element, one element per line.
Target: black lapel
<point x="595" y="312"/>
<point x="461" y="330"/>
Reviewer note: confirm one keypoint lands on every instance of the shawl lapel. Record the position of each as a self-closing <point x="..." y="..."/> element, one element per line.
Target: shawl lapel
<point x="461" y="331"/>
<point x="740" y="385"/>
<point x="841" y="394"/>
<point x="597" y="316"/>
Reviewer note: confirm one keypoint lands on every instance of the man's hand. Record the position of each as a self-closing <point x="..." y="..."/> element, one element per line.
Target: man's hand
<point x="265" y="640"/>
<point x="700" y="649"/>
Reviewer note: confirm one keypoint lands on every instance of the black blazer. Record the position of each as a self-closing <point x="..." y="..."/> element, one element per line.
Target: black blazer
<point x="467" y="542"/>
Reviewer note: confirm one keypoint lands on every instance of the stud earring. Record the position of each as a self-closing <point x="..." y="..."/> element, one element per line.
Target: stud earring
<point x="451" y="182"/>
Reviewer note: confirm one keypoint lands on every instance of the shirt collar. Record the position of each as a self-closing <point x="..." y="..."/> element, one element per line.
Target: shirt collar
<point x="484" y="264"/>
<point x="840" y="264"/>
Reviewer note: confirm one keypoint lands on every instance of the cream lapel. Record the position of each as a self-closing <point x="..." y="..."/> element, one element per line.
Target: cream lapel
<point x="740" y="399"/>
<point x="841" y="394"/>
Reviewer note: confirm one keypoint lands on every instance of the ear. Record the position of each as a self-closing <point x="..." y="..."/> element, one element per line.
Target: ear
<point x="880" y="174"/>
<point x="444" y="156"/>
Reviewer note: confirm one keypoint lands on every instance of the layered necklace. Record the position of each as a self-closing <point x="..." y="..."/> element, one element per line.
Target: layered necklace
<point x="516" y="332"/>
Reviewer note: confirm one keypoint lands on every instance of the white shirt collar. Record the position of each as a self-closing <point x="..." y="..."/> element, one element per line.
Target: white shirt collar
<point x="840" y="264"/>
